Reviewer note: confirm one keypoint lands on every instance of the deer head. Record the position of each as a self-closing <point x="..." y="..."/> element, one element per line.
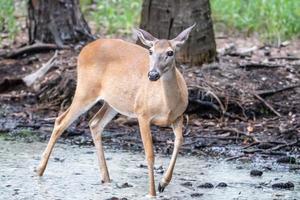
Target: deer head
<point x="162" y="52"/>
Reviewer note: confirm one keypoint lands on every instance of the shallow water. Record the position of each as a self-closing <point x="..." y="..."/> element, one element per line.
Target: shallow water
<point x="72" y="173"/>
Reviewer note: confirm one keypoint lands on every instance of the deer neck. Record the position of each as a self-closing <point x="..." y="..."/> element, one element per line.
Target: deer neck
<point x="170" y="86"/>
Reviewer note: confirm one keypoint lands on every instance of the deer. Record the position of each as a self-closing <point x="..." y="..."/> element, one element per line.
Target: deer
<point x="134" y="81"/>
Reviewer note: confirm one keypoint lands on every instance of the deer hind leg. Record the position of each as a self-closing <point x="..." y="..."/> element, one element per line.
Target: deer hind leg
<point x="177" y="129"/>
<point x="78" y="107"/>
<point x="97" y="124"/>
<point x="148" y="146"/>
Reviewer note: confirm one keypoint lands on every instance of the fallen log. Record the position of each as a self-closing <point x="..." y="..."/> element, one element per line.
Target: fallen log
<point x="37" y="47"/>
<point x="27" y="81"/>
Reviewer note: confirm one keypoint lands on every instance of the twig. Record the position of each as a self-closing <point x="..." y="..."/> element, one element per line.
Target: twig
<point x="251" y="145"/>
<point x="238" y="132"/>
<point x="291" y="58"/>
<point x="266" y="104"/>
<point x="265" y="93"/>
<point x="284" y="145"/>
<point x="259" y="65"/>
<point x="233" y="158"/>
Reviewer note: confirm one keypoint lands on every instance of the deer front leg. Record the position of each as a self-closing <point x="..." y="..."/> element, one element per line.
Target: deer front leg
<point x="148" y="146"/>
<point x="177" y="129"/>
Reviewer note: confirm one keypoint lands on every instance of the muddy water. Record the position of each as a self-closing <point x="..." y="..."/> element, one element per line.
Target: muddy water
<point x="72" y="173"/>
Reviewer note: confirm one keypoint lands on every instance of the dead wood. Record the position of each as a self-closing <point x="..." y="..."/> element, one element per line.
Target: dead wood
<point x="266" y="104"/>
<point x="31" y="78"/>
<point x="264" y="93"/>
<point x="37" y="47"/>
<point x="289" y="58"/>
<point x="255" y="65"/>
<point x="11" y="83"/>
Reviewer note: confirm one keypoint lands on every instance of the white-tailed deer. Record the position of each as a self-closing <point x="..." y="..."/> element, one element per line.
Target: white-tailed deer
<point x="135" y="82"/>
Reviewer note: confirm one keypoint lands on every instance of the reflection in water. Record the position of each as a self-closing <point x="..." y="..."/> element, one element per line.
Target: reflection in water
<point x="73" y="173"/>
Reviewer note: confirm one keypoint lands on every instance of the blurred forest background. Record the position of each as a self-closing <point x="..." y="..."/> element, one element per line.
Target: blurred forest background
<point x="270" y="20"/>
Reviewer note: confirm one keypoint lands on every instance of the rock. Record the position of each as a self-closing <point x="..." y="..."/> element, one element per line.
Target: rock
<point x="159" y="170"/>
<point x="287" y="185"/>
<point x="142" y="166"/>
<point x="187" y="184"/>
<point x="222" y="184"/>
<point x="287" y="159"/>
<point x="124" y="185"/>
<point x="116" y="198"/>
<point x="57" y="159"/>
<point x="196" y="195"/>
<point x="206" y="185"/>
<point x="256" y="172"/>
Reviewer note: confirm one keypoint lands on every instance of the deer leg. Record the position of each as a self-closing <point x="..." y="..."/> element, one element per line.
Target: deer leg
<point x="97" y="124"/>
<point x="177" y="129"/>
<point x="148" y="146"/>
<point x="62" y="122"/>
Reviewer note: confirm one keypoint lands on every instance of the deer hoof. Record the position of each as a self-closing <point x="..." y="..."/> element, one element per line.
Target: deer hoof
<point x="161" y="187"/>
<point x="39" y="170"/>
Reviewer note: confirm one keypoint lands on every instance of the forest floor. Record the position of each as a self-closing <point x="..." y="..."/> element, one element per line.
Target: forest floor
<point x="243" y="107"/>
<point x="250" y="97"/>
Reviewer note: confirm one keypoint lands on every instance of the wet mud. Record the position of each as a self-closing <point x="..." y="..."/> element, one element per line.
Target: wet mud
<point x="73" y="173"/>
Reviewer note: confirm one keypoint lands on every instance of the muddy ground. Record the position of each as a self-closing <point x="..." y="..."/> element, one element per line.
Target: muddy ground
<point x="73" y="173"/>
<point x="243" y="108"/>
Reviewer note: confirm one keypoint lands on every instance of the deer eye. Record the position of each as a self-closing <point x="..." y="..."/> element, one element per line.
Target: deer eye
<point x="150" y="52"/>
<point x="170" y="53"/>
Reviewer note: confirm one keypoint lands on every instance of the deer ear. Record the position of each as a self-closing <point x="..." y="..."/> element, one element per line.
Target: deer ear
<point x="145" y="37"/>
<point x="182" y="37"/>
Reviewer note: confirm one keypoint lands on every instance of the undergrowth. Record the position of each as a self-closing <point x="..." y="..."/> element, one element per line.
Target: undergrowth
<point x="273" y="20"/>
<point x="7" y="18"/>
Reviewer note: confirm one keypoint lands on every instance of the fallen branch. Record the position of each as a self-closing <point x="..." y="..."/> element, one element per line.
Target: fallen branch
<point x="31" y="78"/>
<point x="243" y="51"/>
<point x="9" y="83"/>
<point x="37" y="47"/>
<point x="266" y="104"/>
<point x="290" y="58"/>
<point x="265" y="93"/>
<point x="234" y="158"/>
<point x="284" y="145"/>
<point x="260" y="65"/>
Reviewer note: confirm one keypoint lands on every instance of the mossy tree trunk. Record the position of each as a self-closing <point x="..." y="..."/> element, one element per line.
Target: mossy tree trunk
<point x="167" y="18"/>
<point x="57" y="21"/>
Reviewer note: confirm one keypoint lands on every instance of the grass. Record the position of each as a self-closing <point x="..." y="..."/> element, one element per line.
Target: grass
<point x="7" y="18"/>
<point x="114" y="16"/>
<point x="273" y="20"/>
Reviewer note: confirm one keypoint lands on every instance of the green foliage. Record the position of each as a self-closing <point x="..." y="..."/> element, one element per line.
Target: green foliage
<point x="272" y="19"/>
<point x="7" y="18"/>
<point x="115" y="16"/>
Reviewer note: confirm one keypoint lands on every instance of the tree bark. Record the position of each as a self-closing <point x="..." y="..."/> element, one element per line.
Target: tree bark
<point x="167" y="18"/>
<point x="57" y="21"/>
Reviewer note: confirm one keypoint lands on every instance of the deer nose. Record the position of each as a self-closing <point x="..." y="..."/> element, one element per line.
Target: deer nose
<point x="153" y="75"/>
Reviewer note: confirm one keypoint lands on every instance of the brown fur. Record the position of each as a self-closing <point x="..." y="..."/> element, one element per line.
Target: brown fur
<point x="115" y="71"/>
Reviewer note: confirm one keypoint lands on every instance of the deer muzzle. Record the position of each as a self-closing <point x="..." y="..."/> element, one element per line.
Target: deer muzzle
<point x="153" y="75"/>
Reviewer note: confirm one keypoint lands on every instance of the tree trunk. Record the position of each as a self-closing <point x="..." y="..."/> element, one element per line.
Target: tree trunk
<point x="167" y="18"/>
<point x="57" y="21"/>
